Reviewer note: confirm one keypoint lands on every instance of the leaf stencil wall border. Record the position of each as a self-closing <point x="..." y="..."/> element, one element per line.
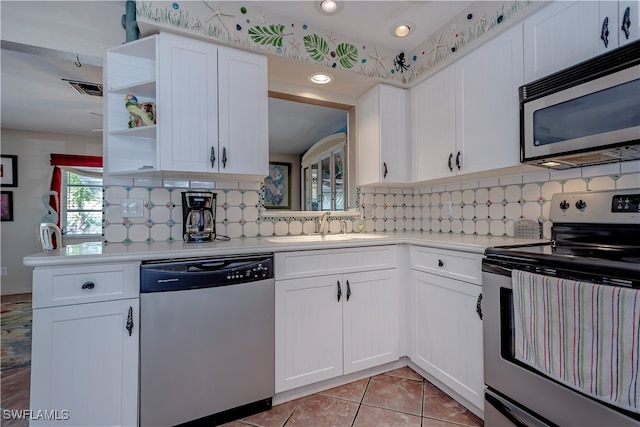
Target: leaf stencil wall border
<point x="246" y="25"/>
<point x="271" y="35"/>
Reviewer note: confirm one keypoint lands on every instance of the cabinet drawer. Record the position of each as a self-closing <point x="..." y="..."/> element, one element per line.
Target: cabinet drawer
<point x="457" y="265"/>
<point x="102" y="282"/>
<point x="292" y="265"/>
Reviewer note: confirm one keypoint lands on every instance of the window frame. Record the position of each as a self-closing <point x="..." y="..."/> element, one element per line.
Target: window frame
<point x="65" y="196"/>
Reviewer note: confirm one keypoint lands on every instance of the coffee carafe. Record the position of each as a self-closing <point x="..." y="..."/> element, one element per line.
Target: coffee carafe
<point x="199" y="216"/>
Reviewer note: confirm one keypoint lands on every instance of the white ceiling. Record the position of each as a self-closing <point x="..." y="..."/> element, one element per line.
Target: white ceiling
<point x="35" y="98"/>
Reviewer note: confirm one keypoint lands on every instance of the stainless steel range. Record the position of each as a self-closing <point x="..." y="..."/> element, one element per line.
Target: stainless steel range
<point x="562" y="319"/>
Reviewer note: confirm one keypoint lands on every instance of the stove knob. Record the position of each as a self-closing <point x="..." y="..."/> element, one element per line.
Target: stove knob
<point x="564" y="205"/>
<point x="581" y="204"/>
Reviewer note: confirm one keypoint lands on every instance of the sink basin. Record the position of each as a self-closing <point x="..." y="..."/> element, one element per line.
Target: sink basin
<point x="323" y="238"/>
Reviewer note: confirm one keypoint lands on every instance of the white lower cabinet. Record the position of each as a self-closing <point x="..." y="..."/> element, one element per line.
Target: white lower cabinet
<point x="446" y="337"/>
<point x="84" y="367"/>
<point x="334" y="324"/>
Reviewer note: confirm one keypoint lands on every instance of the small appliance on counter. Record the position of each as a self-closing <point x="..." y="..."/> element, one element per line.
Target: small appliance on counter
<point x="198" y="216"/>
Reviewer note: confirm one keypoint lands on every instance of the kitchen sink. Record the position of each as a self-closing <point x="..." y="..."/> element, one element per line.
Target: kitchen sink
<point x="323" y="238"/>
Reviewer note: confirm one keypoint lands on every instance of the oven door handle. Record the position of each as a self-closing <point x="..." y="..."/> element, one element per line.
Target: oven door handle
<point x="504" y="410"/>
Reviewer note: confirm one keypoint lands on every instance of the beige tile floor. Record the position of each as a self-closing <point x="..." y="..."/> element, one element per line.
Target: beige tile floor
<point x="396" y="398"/>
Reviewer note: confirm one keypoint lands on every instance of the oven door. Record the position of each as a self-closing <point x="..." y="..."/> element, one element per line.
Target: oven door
<point x="529" y="389"/>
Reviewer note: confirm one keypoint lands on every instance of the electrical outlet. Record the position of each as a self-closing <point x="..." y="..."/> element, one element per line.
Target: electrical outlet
<point x="447" y="208"/>
<point x="131" y="208"/>
<point x="3" y="271"/>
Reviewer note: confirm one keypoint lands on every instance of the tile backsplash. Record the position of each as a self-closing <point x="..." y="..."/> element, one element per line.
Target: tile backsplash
<point x="483" y="207"/>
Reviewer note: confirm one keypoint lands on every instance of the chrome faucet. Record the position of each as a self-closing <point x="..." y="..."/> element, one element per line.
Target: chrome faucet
<point x="322" y="223"/>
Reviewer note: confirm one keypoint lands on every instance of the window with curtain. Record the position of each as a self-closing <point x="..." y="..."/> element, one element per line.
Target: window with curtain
<point x="78" y="181"/>
<point x="81" y="202"/>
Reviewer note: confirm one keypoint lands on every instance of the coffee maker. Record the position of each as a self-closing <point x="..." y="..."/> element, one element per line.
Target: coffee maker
<point x="199" y="216"/>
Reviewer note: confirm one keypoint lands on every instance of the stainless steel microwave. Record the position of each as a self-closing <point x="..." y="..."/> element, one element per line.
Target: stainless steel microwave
<point x="585" y="115"/>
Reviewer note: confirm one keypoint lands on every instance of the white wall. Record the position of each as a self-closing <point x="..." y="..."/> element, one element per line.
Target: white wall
<point x="19" y="237"/>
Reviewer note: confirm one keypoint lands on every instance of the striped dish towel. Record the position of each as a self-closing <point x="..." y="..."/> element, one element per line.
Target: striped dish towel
<point x="584" y="335"/>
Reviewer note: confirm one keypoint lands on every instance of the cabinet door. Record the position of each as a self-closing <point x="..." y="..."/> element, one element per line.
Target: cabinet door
<point x="243" y="113"/>
<point x="85" y="361"/>
<point x="394" y="134"/>
<point x="433" y="117"/>
<point x="187" y="113"/>
<point x="370" y="317"/>
<point x="368" y="121"/>
<point x="565" y="33"/>
<point x="487" y="120"/>
<point x="308" y="331"/>
<point x="447" y="333"/>
<point x="383" y="135"/>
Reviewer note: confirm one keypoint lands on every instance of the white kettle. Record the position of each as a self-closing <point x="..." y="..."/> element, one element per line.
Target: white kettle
<point x="46" y="232"/>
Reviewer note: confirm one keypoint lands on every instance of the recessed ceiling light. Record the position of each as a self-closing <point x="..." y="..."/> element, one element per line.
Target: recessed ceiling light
<point x="402" y="30"/>
<point x="328" y="7"/>
<point x="321" y="78"/>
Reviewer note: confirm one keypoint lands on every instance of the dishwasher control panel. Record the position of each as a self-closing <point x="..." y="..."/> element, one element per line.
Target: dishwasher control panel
<point x="183" y="274"/>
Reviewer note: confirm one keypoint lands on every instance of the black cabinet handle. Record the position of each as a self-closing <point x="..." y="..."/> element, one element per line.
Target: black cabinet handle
<point x="224" y="158"/>
<point x="440" y="263"/>
<point x="130" y="321"/>
<point x="450" y="164"/>
<point x="88" y="285"/>
<point x="479" y="306"/>
<point x="348" y="290"/>
<point x="213" y="156"/>
<point x="386" y="171"/>
<point x="604" y="32"/>
<point x="459" y="160"/>
<point x="339" y="290"/>
<point x="626" y="22"/>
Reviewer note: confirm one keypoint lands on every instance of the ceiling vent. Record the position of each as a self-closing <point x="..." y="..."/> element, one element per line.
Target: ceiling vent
<point x="85" y="88"/>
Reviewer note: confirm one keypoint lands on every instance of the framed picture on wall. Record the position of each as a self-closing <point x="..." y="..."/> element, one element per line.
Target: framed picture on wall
<point x="6" y="205"/>
<point x="8" y="171"/>
<point x="277" y="186"/>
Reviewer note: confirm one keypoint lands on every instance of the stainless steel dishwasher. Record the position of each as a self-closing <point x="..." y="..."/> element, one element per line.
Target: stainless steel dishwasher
<point x="206" y="339"/>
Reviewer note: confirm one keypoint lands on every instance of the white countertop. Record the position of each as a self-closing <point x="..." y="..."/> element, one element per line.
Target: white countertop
<point x="91" y="253"/>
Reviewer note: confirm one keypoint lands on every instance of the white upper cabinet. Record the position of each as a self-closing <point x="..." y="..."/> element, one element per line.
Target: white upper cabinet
<point x="210" y="104"/>
<point x="487" y="105"/>
<point x="243" y="113"/>
<point x="566" y="33"/>
<point x="187" y="103"/>
<point x="465" y="117"/>
<point x="433" y="109"/>
<point x="382" y="117"/>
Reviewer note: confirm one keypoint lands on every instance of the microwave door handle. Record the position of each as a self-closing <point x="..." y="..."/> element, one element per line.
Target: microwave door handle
<point x="505" y="411"/>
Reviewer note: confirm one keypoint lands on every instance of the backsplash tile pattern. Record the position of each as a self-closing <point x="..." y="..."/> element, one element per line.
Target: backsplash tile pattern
<point x="488" y="207"/>
<point x="480" y="207"/>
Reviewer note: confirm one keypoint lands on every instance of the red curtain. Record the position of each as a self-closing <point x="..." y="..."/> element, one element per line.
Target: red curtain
<point x="70" y="160"/>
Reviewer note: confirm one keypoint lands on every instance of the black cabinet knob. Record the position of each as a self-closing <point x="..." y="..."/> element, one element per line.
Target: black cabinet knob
<point x="440" y="263"/>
